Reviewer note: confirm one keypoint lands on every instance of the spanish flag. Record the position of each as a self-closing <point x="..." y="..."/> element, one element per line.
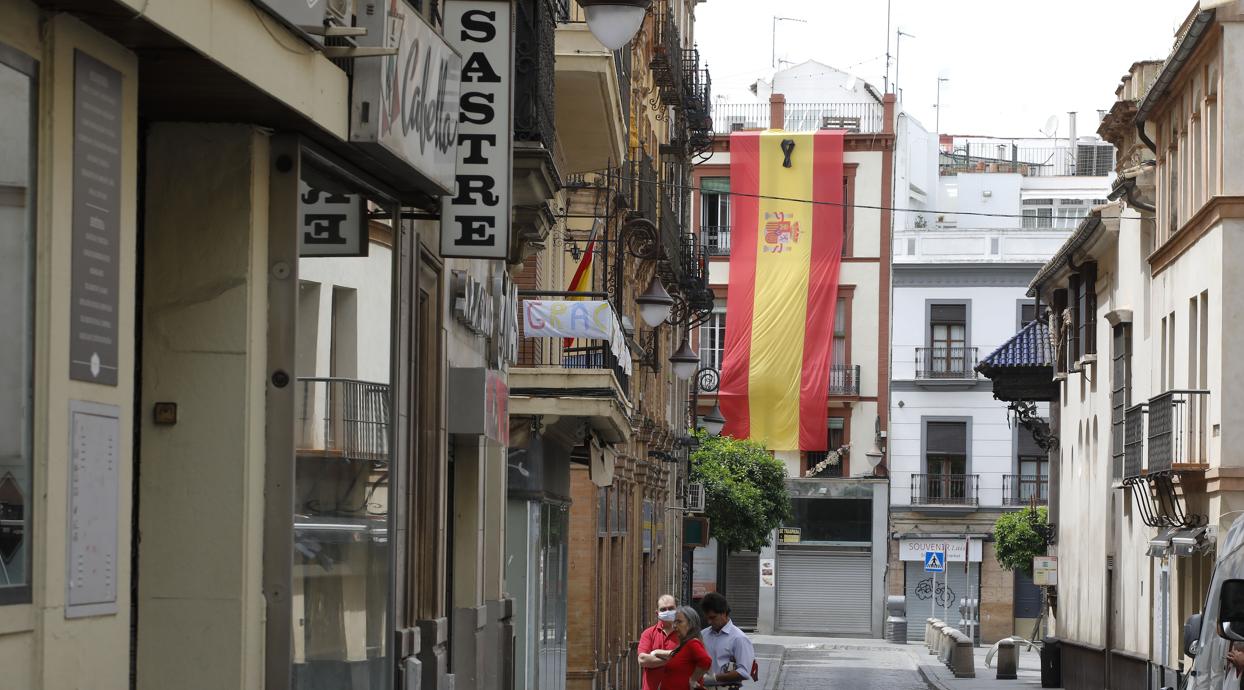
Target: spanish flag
<point x="784" y="260"/>
<point x="582" y="280"/>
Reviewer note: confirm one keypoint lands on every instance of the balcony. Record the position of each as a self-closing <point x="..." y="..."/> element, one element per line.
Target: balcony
<point x="946" y="363"/>
<point x="864" y="118"/>
<point x="951" y="490"/>
<point x="716" y="239"/>
<point x="1095" y="159"/>
<point x="1134" y="442"/>
<point x="536" y="177"/>
<point x="668" y="70"/>
<point x="582" y="379"/>
<point x="1178" y="436"/>
<point x="343" y="419"/>
<point x="844" y="379"/>
<point x="591" y="99"/>
<point x="1024" y="489"/>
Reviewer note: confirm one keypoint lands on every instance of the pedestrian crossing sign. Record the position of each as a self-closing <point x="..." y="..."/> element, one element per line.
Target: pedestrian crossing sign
<point x="934" y="561"/>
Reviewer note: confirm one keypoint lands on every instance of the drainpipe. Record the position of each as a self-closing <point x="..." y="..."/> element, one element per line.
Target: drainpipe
<point x="1144" y="138"/>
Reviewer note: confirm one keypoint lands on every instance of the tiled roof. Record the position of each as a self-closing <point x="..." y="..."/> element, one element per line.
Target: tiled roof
<point x="1028" y="348"/>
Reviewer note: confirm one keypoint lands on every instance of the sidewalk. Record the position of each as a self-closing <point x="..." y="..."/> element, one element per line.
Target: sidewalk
<point x="938" y="676"/>
<point x="769" y="661"/>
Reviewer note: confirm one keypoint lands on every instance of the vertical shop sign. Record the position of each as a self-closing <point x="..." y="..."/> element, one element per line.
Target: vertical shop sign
<point x="94" y="270"/>
<point x="475" y="221"/>
<point x="331" y="221"/>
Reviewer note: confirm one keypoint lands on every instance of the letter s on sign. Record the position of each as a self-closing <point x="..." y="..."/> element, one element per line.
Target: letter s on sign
<point x="485" y="23"/>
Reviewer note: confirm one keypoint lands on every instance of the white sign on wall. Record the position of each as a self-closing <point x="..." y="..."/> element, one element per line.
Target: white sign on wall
<point x="914" y="549"/>
<point x="475" y="220"/>
<point x="404" y="107"/>
<point x="1045" y="571"/>
<point x="331" y="222"/>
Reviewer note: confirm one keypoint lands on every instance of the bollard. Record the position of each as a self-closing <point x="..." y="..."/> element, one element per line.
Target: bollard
<point x="1007" y="659"/>
<point x="946" y="646"/>
<point x="928" y="632"/>
<point x="896" y="623"/>
<point x="935" y="638"/>
<point x="962" y="659"/>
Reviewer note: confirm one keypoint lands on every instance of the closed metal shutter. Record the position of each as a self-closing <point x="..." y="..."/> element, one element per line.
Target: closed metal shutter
<point x="743" y="588"/>
<point x="820" y="592"/>
<point x="923" y="602"/>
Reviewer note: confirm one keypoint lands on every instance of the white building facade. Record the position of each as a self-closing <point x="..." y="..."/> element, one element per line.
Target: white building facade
<point x="957" y="458"/>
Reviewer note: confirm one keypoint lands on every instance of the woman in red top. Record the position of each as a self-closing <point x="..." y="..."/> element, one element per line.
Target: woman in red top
<point x="686" y="664"/>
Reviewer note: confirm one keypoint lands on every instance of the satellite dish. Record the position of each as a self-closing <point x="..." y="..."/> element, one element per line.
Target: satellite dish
<point x="1051" y="126"/>
<point x="851" y="82"/>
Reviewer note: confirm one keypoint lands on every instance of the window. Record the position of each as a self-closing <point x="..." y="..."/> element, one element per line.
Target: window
<point x="947" y="353"/>
<point x="1075" y="295"/>
<point x="1028" y="312"/>
<point x="1059" y="305"/>
<point x="715" y="215"/>
<point x="1034" y="470"/>
<point x="18" y="92"/>
<point x="945" y="462"/>
<point x="713" y="340"/>
<point x="848" y="209"/>
<point x="1120" y="394"/>
<point x="832" y="519"/>
<point x="1086" y="310"/>
<point x="840" y="349"/>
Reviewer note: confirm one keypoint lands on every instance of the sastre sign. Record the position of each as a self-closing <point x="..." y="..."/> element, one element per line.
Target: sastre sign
<point x="404" y="107"/>
<point x="475" y="221"/>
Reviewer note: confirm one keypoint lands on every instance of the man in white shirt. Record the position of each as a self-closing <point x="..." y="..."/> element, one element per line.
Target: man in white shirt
<point x="729" y="647"/>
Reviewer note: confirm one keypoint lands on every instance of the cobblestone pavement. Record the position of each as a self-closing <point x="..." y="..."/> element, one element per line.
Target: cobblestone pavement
<point x="832" y="665"/>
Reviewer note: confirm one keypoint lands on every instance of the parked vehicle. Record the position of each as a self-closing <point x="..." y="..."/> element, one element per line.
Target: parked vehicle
<point x="1209" y="635"/>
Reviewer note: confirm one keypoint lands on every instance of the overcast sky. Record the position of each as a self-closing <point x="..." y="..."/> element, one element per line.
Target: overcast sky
<point x="1010" y="64"/>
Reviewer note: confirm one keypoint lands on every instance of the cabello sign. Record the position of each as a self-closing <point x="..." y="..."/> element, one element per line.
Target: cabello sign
<point x="475" y="222"/>
<point x="404" y="107"/>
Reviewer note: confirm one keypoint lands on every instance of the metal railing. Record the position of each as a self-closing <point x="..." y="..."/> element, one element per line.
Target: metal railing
<point x="1134" y="441"/>
<point x="812" y="458"/>
<point x="535" y="28"/>
<point x="946" y="362"/>
<point x="667" y="57"/>
<point x="867" y="118"/>
<point x="1021" y="489"/>
<point x="345" y="418"/>
<point x="1178" y="426"/>
<point x="945" y="489"/>
<point x="716" y="239"/>
<point x="580" y="354"/>
<point x="844" y="379"/>
<point x="1033" y="161"/>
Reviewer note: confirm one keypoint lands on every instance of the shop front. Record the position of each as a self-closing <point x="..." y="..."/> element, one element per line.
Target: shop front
<point x="940" y="594"/>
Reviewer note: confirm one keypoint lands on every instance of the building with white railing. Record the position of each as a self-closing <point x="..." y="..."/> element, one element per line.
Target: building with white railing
<point x="1000" y="209"/>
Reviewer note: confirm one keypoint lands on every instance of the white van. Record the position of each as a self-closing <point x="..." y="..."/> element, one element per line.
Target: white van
<point x="1206" y="639"/>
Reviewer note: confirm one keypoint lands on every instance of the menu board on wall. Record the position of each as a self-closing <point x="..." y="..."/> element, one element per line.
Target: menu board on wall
<point x="94" y="270"/>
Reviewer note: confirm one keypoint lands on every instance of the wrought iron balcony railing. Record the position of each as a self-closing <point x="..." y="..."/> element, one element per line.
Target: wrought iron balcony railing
<point x="343" y="418"/>
<point x="580" y="354"/>
<point x="1178" y="430"/>
<point x="945" y="489"/>
<point x="946" y="362"/>
<point x="844" y="379"/>
<point x="1134" y="441"/>
<point x="716" y="239"/>
<point x="1023" y="489"/>
<point x="866" y="118"/>
<point x="535" y="28"/>
<point x="667" y="57"/>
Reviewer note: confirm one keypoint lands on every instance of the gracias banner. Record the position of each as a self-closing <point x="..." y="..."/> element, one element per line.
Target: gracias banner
<point x="592" y="319"/>
<point x="784" y="262"/>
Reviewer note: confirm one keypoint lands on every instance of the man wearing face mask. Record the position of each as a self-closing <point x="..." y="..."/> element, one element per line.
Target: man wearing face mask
<point x="660" y="636"/>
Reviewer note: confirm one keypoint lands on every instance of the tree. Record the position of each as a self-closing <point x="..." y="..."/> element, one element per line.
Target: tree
<point x="745" y="494"/>
<point x="1019" y="537"/>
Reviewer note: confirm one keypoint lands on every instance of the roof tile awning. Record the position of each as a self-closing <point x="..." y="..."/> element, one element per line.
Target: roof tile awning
<point x="1022" y="368"/>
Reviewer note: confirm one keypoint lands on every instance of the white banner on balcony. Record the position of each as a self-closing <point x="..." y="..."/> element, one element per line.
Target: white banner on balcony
<point x="592" y="319"/>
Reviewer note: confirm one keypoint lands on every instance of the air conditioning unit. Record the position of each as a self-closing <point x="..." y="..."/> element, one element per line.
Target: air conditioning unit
<point x="339" y="12"/>
<point x="695" y="498"/>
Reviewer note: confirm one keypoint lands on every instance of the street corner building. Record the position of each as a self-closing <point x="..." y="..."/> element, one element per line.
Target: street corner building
<point x="792" y="210"/>
<point x="274" y="414"/>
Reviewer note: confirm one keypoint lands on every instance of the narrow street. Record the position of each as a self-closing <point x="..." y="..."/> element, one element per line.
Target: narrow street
<point x="817" y="663"/>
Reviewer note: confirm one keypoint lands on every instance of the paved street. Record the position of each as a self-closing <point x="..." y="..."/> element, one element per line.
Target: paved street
<point x="818" y="663"/>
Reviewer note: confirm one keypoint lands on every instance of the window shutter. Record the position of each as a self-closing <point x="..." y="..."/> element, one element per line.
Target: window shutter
<point x="946" y="437"/>
<point x="948" y="313"/>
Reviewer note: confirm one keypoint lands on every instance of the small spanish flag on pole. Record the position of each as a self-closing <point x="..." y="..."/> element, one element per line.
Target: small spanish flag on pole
<point x="784" y="261"/>
<point x="582" y="280"/>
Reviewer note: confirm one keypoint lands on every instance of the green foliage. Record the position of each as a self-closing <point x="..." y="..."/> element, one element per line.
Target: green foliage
<point x="745" y="494"/>
<point x="1019" y="537"/>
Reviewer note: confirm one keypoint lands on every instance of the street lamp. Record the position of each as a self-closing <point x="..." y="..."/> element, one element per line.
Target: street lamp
<point x="685" y="360"/>
<point x="655" y="304"/>
<point x="713" y="421"/>
<point x="614" y="22"/>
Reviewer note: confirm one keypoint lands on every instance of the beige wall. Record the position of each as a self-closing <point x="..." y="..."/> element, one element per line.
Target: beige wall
<point x="39" y="647"/>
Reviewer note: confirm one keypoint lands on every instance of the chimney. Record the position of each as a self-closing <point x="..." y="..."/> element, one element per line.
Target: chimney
<point x="1071" y="137"/>
<point x="887" y="103"/>
<point x="777" y="111"/>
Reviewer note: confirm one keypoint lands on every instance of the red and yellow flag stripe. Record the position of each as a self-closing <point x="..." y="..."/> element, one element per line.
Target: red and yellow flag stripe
<point x="784" y="263"/>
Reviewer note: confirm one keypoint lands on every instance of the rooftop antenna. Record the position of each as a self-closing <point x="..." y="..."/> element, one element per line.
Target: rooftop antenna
<point x="773" y="51"/>
<point x="898" y="49"/>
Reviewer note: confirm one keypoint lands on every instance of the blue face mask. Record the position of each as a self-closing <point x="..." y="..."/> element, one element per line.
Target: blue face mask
<point x="667" y="616"/>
